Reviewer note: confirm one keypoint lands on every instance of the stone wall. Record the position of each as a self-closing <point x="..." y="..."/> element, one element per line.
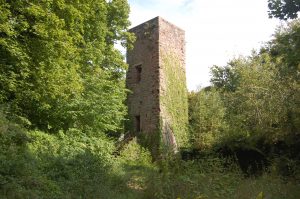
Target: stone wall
<point x="143" y="101"/>
<point x="156" y="78"/>
<point x="173" y="91"/>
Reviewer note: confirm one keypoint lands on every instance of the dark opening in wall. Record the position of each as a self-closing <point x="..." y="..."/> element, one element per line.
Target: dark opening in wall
<point x="138" y="73"/>
<point x="137" y="123"/>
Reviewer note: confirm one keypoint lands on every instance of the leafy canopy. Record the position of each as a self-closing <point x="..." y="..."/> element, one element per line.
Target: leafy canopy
<point x="284" y="9"/>
<point x="58" y="64"/>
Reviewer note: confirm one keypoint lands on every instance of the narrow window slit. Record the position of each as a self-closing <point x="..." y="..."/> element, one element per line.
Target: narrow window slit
<point x="138" y="73"/>
<point x="137" y="123"/>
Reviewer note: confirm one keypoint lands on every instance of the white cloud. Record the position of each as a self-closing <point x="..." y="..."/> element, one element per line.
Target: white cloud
<point x="216" y="30"/>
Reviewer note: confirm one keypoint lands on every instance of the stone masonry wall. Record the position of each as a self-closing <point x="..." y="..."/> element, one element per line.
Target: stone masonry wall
<point x="159" y="100"/>
<point x="143" y="101"/>
<point x="173" y="91"/>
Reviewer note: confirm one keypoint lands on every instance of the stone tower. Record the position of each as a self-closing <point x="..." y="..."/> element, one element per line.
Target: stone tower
<point x="157" y="103"/>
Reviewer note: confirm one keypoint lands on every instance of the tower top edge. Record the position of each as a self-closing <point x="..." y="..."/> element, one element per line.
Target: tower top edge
<point x="158" y="20"/>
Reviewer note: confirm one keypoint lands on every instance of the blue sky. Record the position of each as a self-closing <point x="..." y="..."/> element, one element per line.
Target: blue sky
<point x="216" y="30"/>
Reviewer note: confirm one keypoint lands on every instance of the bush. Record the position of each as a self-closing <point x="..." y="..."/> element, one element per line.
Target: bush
<point x="70" y="164"/>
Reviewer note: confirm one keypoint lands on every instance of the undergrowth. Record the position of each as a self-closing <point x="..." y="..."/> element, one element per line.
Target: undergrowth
<point x="71" y="164"/>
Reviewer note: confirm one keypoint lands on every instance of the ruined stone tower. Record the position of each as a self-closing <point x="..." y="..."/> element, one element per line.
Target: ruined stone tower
<point x="157" y="104"/>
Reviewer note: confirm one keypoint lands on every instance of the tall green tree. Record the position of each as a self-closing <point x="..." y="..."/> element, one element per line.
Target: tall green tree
<point x="261" y="92"/>
<point x="285" y="49"/>
<point x="206" y="118"/>
<point x="225" y="78"/>
<point x="256" y="107"/>
<point x="58" y="63"/>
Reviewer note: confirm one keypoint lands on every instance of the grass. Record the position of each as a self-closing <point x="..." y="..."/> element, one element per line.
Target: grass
<point x="74" y="165"/>
<point x="204" y="178"/>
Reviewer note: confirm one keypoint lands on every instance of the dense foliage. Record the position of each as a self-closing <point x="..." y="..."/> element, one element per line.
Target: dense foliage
<point x="60" y="73"/>
<point x="284" y="9"/>
<point x="174" y="98"/>
<point x="69" y="164"/>
<point x="59" y="68"/>
<point x="61" y="107"/>
<point x="207" y="118"/>
<point x="252" y="107"/>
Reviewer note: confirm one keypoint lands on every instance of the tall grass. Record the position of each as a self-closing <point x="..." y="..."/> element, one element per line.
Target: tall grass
<point x="76" y="165"/>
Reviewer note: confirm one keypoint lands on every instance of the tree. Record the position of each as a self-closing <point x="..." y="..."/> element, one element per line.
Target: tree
<point x="284" y="9"/>
<point x="285" y="50"/>
<point x="257" y="105"/>
<point x="264" y="101"/>
<point x="285" y="46"/>
<point x="206" y="118"/>
<point x="225" y="78"/>
<point x="54" y="53"/>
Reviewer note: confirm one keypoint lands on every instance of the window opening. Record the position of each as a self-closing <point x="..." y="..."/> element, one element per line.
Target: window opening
<point x="137" y="123"/>
<point x="138" y="73"/>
